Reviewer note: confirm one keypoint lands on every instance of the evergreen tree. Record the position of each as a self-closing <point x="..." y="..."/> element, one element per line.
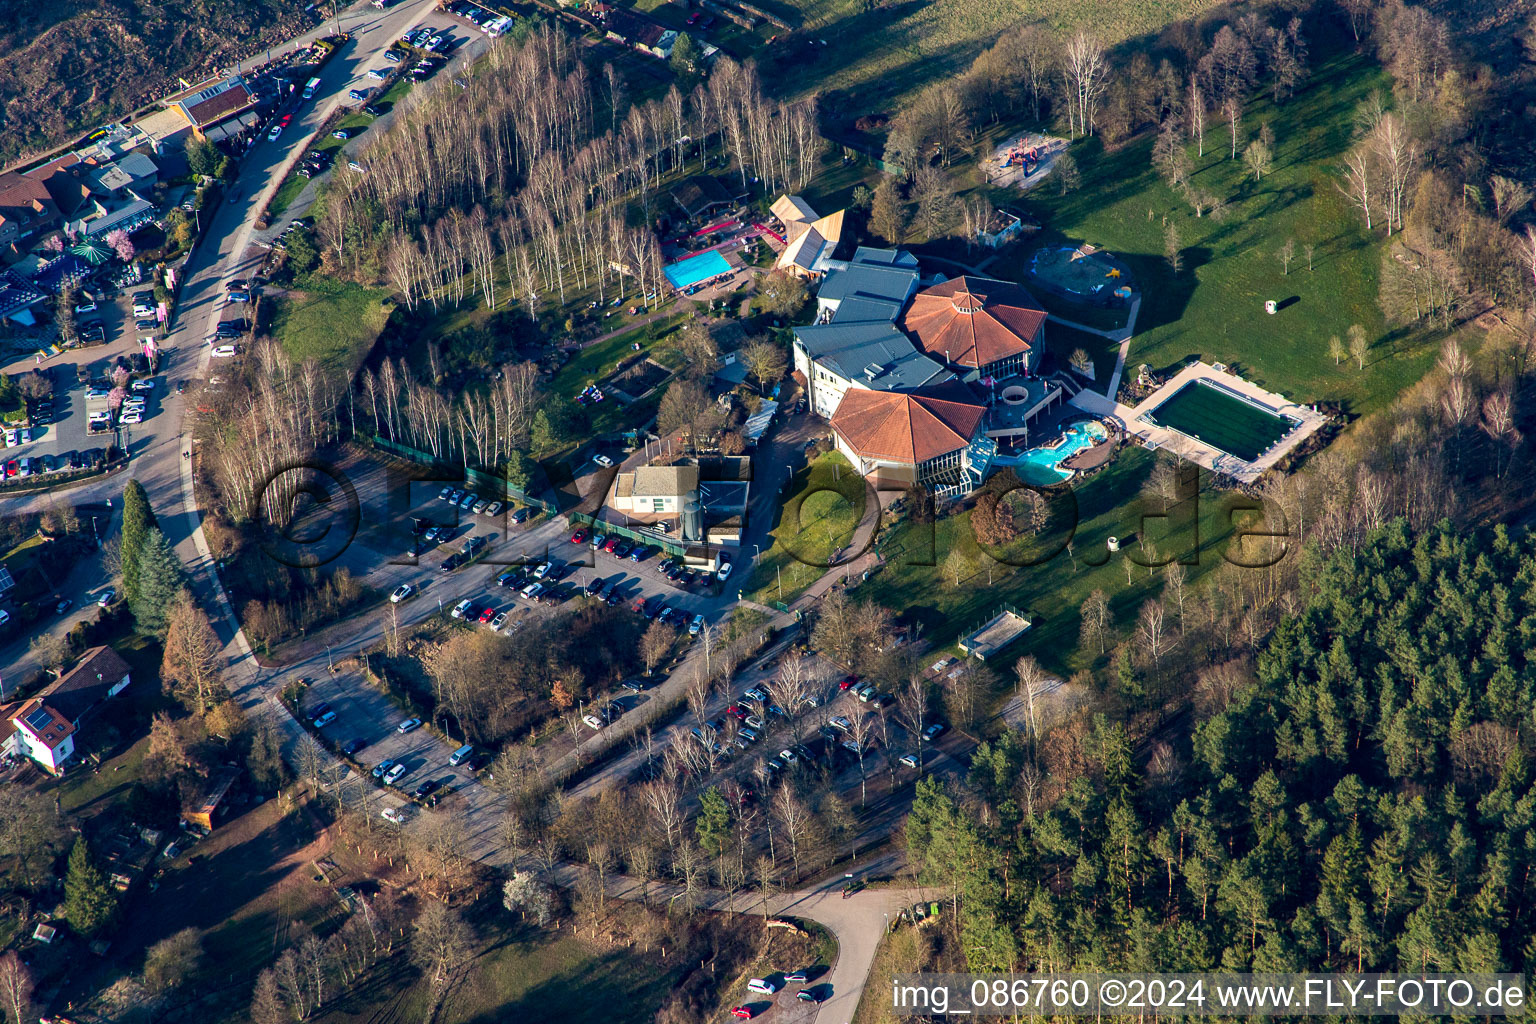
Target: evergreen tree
<point x="138" y="519"/>
<point x="714" y="824"/>
<point x="89" y="899"/>
<point x="160" y="581"/>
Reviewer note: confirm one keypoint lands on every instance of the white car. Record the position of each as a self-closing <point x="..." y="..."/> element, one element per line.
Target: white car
<point x="532" y="591"/>
<point x="392" y="814"/>
<point x="377" y="74"/>
<point x="462" y="608"/>
<point x="142" y="384"/>
<point x="272" y="135"/>
<point x="86" y="307"/>
<point x="592" y="721"/>
<point x="402" y="592"/>
<point x="602" y="460"/>
<point x="393" y="775"/>
<point x="499" y="621"/>
<point x="224" y="352"/>
<point x="131" y="416"/>
<point x="542" y="570"/>
<point x="724" y="572"/>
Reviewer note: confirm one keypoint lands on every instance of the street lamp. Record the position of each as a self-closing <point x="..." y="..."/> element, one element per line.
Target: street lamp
<point x="328" y="662"/>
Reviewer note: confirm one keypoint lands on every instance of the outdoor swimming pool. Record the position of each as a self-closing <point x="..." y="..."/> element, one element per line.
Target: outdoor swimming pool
<point x="698" y="268"/>
<point x="1040" y="466"/>
<point x="1219" y="418"/>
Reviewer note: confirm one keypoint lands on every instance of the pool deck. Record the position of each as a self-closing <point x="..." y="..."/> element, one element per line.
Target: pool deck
<point x="1154" y="436"/>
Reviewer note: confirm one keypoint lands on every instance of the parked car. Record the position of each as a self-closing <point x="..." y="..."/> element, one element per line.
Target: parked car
<point x="354" y="745"/>
<point x="360" y="94"/>
<point x="579" y="536"/>
<point x="393" y="775"/>
<point x="409" y="725"/>
<point x="382" y="768"/>
<point x="461" y="608"/>
<point x="697" y="625"/>
<point x="494" y="509"/>
<point x="325" y="720"/>
<point x="522" y="515"/>
<point x="425" y="790"/>
<point x="723" y="573"/>
<point x="107" y="597"/>
<point x="272" y="135"/>
<point x="934" y="731"/>
<point x="602" y="460"/>
<point x="392" y="814"/>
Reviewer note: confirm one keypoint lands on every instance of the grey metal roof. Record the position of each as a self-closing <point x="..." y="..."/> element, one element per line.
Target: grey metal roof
<point x="870" y="280"/>
<point x="873" y="352"/>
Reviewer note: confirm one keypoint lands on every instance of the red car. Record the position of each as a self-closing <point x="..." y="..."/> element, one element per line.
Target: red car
<point x="487" y="615"/>
<point x="579" y="537"/>
<point x="693" y="19"/>
<point x="735" y="712"/>
<point x="12" y="468"/>
<point x="742" y="1012"/>
<point x="613" y="542"/>
<point x="847" y="683"/>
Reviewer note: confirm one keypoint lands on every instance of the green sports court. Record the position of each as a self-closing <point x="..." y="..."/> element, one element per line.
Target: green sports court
<point x="1217" y="417"/>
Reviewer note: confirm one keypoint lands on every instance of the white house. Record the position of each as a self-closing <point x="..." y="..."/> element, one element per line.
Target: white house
<point x="44" y="727"/>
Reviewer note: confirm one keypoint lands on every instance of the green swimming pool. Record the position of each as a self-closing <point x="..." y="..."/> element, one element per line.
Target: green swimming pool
<point x="1221" y="419"/>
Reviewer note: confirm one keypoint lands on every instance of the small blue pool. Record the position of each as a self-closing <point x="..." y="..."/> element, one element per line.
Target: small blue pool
<point x="1040" y="466"/>
<point x="697" y="268"/>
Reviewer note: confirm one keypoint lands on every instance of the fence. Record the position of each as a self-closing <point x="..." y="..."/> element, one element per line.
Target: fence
<point x="478" y="479"/>
<point x="666" y="544"/>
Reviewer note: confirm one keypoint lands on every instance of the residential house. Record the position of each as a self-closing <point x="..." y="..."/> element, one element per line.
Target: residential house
<point x="27" y="211"/>
<point x="634" y="29"/>
<point x="44" y="727"/>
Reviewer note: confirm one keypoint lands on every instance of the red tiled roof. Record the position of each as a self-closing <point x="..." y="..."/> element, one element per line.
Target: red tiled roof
<point x="974" y="321"/>
<point x="908" y="426"/>
<point x="24" y="198"/>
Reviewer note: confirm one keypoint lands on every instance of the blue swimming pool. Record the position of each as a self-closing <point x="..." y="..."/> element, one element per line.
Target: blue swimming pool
<point x="697" y="268"/>
<point x="1040" y="466"/>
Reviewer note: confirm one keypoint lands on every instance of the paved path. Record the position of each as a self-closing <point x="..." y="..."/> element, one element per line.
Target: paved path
<point x="858" y="923"/>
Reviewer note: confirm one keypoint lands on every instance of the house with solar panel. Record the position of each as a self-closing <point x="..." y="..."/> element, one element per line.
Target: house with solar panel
<point x="44" y="728"/>
<point x="921" y="378"/>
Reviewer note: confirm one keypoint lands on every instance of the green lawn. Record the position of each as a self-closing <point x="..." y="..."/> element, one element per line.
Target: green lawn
<point x="1213" y="309"/>
<point x="332" y="322"/>
<point x="531" y="976"/>
<point x="914" y="581"/>
<point x="827" y="500"/>
<point x="886" y="52"/>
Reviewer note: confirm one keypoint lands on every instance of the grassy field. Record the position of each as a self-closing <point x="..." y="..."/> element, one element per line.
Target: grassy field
<point x="890" y="51"/>
<point x="826" y="502"/>
<point x="1053" y="589"/>
<point x="1213" y="309"/>
<point x="332" y="322"/>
